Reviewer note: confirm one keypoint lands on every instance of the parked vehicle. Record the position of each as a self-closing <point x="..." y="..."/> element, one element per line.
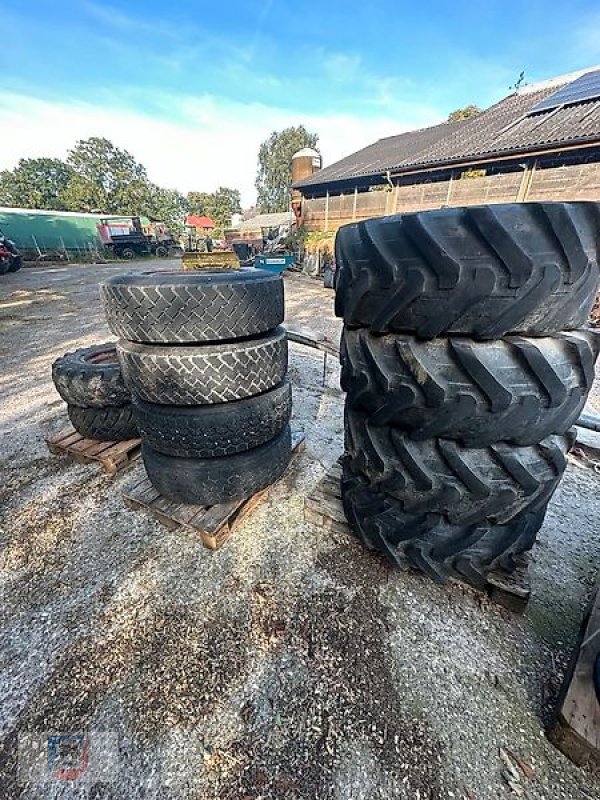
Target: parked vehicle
<point x="126" y="238"/>
<point x="10" y="258"/>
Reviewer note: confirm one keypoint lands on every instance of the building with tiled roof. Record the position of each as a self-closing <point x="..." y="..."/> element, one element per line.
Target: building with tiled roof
<point x="541" y="142"/>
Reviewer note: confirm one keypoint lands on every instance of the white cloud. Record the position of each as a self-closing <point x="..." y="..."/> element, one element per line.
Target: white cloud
<point x="208" y="142"/>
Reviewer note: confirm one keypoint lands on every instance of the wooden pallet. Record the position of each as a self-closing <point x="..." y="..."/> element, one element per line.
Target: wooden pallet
<point x="576" y="727"/>
<point x="113" y="456"/>
<point x="324" y="508"/>
<point x="213" y="524"/>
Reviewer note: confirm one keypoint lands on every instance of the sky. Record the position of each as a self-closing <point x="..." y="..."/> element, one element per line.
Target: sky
<point x="191" y="89"/>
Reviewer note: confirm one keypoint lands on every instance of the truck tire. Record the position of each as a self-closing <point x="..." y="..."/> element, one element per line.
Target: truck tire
<point x="468" y="485"/>
<point x="128" y="253"/>
<point x="91" y="377"/>
<point x="108" y="424"/>
<point x="193" y="307"/>
<point x="484" y="271"/>
<point x="161" y="251"/>
<point x="429" y="542"/>
<point x="207" y="481"/>
<point x="216" y="430"/>
<point x="210" y="373"/>
<point x="515" y="389"/>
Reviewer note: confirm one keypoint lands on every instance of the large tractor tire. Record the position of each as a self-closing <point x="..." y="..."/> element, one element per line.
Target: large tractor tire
<point x="467" y="485"/>
<point x="206" y="481"/>
<point x="193" y="307"/>
<point x="516" y="389"/>
<point x="218" y="430"/>
<point x="212" y="373"/>
<point x="484" y="271"/>
<point x="108" y="424"/>
<point x="91" y="377"/>
<point x="429" y="541"/>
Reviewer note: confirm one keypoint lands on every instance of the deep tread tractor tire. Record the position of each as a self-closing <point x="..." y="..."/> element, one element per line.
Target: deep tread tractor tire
<point x="192" y="307"/>
<point x="430" y="542"/>
<point x="210" y="373"/>
<point x="485" y="271"/>
<point x="206" y="481"/>
<point x="216" y="430"/>
<point x="469" y="485"/>
<point x="515" y="389"/>
<point x="108" y="424"/>
<point x="91" y="377"/>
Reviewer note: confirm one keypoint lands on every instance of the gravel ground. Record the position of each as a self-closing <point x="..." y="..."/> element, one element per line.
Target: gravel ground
<point x="289" y="664"/>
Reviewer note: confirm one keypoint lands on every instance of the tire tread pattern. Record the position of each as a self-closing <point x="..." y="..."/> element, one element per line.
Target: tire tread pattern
<point x="485" y="271"/>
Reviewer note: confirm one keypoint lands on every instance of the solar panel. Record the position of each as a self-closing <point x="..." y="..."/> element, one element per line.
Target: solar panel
<point x="587" y="87"/>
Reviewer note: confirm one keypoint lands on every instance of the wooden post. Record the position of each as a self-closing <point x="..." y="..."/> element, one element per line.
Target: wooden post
<point x="327" y="212"/>
<point x="396" y="193"/>
<point x="526" y="181"/>
<point x="449" y="192"/>
<point x="354" y="203"/>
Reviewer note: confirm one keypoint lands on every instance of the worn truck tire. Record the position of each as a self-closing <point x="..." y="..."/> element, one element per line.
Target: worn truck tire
<point x="467" y="484"/>
<point x="206" y="481"/>
<point x="189" y="307"/>
<point x="91" y="377"/>
<point x="429" y="541"/>
<point x="210" y="431"/>
<point x="210" y="373"/>
<point x="110" y="424"/>
<point x="515" y="389"/>
<point x="485" y="271"/>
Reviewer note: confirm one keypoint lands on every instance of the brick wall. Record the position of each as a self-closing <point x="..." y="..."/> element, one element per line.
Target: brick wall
<point x="565" y="182"/>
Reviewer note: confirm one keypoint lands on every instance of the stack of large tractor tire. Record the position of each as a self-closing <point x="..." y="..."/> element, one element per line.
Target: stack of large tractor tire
<point x="205" y="359"/>
<point x="466" y="361"/>
<point x="89" y="380"/>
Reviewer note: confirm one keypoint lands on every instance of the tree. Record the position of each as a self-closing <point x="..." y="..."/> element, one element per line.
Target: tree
<point x="36" y="183"/>
<point x="468" y="112"/>
<point x="166" y="205"/>
<point x="274" y="174"/>
<point x="105" y="178"/>
<point x="219" y="205"/>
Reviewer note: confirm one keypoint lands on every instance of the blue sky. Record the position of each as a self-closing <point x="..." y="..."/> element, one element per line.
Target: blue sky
<point x="191" y="89"/>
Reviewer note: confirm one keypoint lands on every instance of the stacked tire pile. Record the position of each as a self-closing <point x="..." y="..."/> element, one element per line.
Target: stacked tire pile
<point x="89" y="380"/>
<point x="465" y="360"/>
<point x="205" y="359"/>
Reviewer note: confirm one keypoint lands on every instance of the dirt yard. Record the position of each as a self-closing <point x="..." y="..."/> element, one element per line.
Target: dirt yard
<point x="289" y="664"/>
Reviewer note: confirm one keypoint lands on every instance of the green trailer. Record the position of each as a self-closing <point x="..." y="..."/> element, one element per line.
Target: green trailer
<point x="39" y="234"/>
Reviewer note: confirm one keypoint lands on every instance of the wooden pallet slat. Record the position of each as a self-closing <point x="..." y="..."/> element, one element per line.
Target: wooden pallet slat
<point x="112" y="456"/>
<point x="212" y="524"/>
<point x="576" y="728"/>
<point x="323" y="508"/>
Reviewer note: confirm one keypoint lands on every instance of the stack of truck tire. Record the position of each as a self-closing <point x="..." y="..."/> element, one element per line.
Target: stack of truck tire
<point x="89" y="380"/>
<point x="205" y="359"/>
<point x="466" y="360"/>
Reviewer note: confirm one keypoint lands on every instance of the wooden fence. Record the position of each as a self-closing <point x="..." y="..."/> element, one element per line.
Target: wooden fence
<point x="566" y="182"/>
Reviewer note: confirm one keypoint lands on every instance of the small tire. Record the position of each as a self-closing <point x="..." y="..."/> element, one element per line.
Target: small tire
<point x="128" y="253"/>
<point x="108" y="424"/>
<point x="468" y="485"/>
<point x="91" y="378"/>
<point x="515" y="389"/>
<point x="15" y="264"/>
<point x="483" y="271"/>
<point x="218" y="430"/>
<point x="209" y="373"/>
<point x="431" y="543"/>
<point x="193" y="307"/>
<point x="207" y="481"/>
<point x="161" y="251"/>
